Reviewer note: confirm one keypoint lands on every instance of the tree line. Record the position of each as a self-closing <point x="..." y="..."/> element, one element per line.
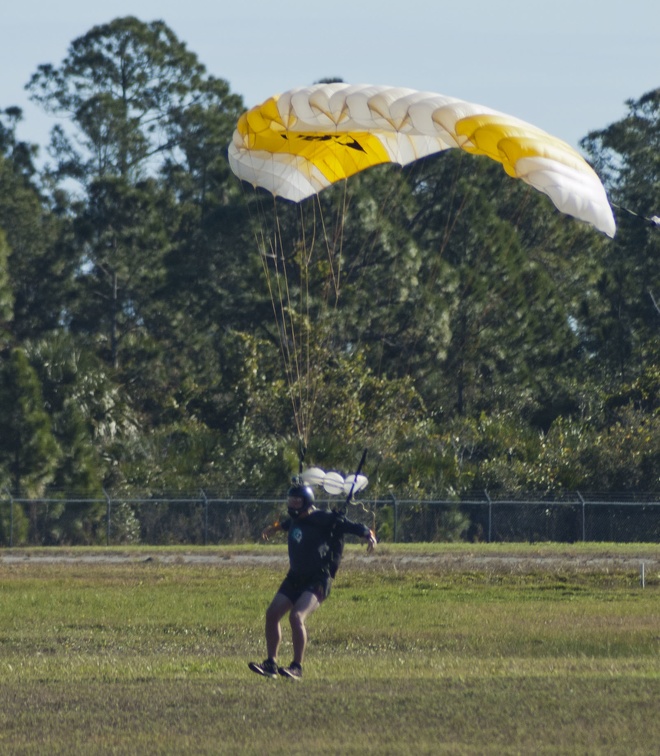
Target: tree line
<point x="477" y="339"/>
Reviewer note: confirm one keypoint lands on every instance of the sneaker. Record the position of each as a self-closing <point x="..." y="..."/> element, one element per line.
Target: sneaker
<point x="293" y="672"/>
<point x="267" y="668"/>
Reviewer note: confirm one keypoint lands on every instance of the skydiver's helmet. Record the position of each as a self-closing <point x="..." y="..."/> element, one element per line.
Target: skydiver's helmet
<point x="299" y="499"/>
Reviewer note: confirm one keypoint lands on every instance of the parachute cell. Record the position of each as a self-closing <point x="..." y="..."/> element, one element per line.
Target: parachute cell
<point x="333" y="483"/>
<point x="354" y="484"/>
<point x="298" y="143"/>
<point x="313" y="476"/>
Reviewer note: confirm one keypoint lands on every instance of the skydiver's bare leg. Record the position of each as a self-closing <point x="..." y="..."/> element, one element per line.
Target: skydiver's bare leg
<point x="302" y="609"/>
<point x="279" y="606"/>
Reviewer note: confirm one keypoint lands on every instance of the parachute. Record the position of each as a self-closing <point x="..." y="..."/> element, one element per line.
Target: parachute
<point x="312" y="249"/>
<point x="300" y="142"/>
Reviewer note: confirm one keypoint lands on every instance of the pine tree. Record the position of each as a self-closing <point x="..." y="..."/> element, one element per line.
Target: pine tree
<point x="29" y="452"/>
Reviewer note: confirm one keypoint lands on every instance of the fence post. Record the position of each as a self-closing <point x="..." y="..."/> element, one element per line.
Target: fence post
<point x="10" y="500"/>
<point x="395" y="516"/>
<point x="490" y="516"/>
<point x="11" y="520"/>
<point x="107" y="518"/>
<point x="584" y="526"/>
<point x="206" y="517"/>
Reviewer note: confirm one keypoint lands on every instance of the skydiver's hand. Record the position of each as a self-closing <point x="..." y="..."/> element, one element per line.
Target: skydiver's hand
<point x="371" y="541"/>
<point x="270" y="530"/>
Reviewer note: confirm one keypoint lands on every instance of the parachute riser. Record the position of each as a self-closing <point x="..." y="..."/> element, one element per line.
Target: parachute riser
<point x="350" y="493"/>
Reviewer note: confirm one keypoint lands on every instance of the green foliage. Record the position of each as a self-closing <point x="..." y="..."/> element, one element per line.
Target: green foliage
<point x="121" y="83"/>
<point x="38" y="269"/>
<point x="29" y="452"/>
<point x="6" y="293"/>
<point x="443" y="316"/>
<point x="14" y="523"/>
<point x="625" y="325"/>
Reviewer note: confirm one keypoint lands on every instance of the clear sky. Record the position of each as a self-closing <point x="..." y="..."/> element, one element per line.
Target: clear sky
<point x="568" y="66"/>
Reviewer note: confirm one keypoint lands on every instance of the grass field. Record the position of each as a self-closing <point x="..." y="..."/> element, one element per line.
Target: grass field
<point x="425" y="649"/>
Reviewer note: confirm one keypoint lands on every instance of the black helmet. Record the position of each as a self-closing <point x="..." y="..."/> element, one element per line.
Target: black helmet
<point x="300" y="491"/>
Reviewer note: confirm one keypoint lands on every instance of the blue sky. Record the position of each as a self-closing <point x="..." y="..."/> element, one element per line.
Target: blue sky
<point x="567" y="66"/>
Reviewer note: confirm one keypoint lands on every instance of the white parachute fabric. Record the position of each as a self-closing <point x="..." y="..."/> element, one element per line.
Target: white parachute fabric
<point x="334" y="483"/>
<point x="300" y="142"/>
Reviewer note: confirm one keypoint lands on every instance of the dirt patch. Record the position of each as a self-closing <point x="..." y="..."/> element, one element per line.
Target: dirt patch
<point x="454" y="560"/>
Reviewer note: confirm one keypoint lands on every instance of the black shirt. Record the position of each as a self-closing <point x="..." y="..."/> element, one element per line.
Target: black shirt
<point x="309" y="539"/>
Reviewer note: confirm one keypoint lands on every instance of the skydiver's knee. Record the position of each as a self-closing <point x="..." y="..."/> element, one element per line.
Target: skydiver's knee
<point x="273" y="615"/>
<point x="296" y="619"/>
<point x="276" y="611"/>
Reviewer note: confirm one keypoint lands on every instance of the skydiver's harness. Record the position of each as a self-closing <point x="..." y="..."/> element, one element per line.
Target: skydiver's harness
<point x="335" y="544"/>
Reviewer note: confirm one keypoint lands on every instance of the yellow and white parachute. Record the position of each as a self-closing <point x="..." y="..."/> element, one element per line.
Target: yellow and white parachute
<point x="300" y="142"/>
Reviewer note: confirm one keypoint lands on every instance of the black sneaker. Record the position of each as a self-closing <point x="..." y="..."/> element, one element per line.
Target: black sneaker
<point x="267" y="668"/>
<point x="293" y="672"/>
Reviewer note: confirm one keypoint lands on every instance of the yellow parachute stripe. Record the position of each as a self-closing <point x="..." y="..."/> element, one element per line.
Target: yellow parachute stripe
<point x="339" y="156"/>
<point x="260" y="123"/>
<point x="336" y="155"/>
<point x="499" y="139"/>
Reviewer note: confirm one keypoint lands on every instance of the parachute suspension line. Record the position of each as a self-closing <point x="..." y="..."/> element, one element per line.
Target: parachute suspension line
<point x="268" y="249"/>
<point x="653" y="220"/>
<point x="338" y="241"/>
<point x="271" y="253"/>
<point x="333" y="246"/>
<point x="452" y="220"/>
<point x="293" y="315"/>
<point x="306" y="381"/>
<point x="314" y="340"/>
<point x="293" y="337"/>
<point x="307" y="340"/>
<point x="339" y="231"/>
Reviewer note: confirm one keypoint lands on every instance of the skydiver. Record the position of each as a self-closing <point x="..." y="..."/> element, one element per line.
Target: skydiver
<point x="315" y="541"/>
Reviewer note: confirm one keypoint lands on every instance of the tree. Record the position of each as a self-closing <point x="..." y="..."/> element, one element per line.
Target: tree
<point x="624" y="330"/>
<point x="122" y="230"/>
<point x="123" y="85"/>
<point x="21" y="154"/>
<point x="135" y="97"/>
<point x="489" y="322"/>
<point x="6" y="293"/>
<point x="38" y="271"/>
<point x="29" y="452"/>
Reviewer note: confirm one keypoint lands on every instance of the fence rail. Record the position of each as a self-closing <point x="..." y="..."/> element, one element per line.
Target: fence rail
<point x="205" y="519"/>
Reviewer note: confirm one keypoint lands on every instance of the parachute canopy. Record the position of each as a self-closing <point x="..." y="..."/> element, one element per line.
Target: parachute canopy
<point x="302" y="141"/>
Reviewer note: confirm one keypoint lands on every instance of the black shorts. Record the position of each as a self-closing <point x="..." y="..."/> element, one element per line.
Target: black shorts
<point x="293" y="587"/>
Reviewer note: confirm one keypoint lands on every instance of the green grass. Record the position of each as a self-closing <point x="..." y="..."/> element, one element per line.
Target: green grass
<point x="459" y="654"/>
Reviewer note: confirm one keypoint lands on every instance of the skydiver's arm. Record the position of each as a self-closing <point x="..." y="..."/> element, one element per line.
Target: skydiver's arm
<point x="276" y="527"/>
<point x="270" y="530"/>
<point x="362" y="531"/>
<point x="370" y="538"/>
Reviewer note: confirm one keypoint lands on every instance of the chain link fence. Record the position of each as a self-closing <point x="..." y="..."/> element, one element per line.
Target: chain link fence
<point x="203" y="519"/>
